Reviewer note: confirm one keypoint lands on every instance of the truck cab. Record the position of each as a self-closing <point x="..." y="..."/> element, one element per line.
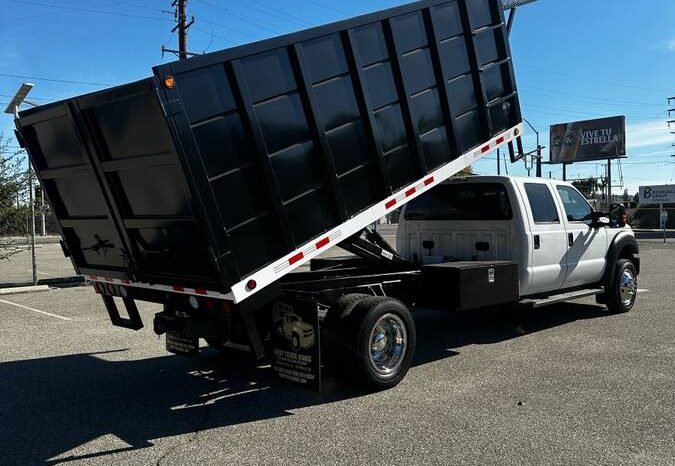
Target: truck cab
<point x="559" y="241"/>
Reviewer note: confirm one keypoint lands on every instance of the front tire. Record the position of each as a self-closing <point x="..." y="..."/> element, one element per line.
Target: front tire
<point x="622" y="292"/>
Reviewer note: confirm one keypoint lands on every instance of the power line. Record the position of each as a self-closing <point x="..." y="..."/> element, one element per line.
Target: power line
<point x="62" y="12"/>
<point x="228" y="28"/>
<point x="89" y="10"/>
<point x="342" y="12"/>
<point x="211" y="33"/>
<point x="589" y="101"/>
<point x="262" y="11"/>
<point x="298" y="19"/>
<point x="562" y="112"/>
<point x="242" y="18"/>
<point x="64" y="81"/>
<point x="31" y="97"/>
<point x="607" y="83"/>
<point x="556" y="91"/>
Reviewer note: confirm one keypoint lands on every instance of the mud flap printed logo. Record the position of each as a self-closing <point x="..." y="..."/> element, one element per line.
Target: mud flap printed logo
<point x="295" y="336"/>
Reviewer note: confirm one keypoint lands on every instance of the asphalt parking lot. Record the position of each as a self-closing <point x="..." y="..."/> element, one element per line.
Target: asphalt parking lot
<point x="566" y="385"/>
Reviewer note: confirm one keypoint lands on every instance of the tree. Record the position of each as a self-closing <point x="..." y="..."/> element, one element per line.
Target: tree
<point x="13" y="215"/>
<point x="587" y="187"/>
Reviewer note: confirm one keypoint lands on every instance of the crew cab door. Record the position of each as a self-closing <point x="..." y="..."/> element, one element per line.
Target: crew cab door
<point x="586" y="245"/>
<point x="547" y="239"/>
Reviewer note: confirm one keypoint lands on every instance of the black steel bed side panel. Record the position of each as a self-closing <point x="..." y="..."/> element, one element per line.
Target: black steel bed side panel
<point x="84" y="217"/>
<point x="289" y="137"/>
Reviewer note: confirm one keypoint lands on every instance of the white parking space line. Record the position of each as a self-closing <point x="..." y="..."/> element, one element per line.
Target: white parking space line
<point x="643" y="290"/>
<point x="35" y="310"/>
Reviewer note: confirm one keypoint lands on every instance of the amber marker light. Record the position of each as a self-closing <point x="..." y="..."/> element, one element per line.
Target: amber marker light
<point x="169" y="82"/>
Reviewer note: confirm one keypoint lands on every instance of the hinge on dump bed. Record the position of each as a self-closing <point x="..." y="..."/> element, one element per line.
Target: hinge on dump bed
<point x="369" y="244"/>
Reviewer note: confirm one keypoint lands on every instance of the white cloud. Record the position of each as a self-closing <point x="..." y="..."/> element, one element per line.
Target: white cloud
<point x="668" y="45"/>
<point x="649" y="133"/>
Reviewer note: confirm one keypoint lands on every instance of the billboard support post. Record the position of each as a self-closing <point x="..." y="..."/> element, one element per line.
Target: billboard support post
<point x="609" y="182"/>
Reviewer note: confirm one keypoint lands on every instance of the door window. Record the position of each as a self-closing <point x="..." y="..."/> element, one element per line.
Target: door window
<point x="541" y="203"/>
<point x="577" y="208"/>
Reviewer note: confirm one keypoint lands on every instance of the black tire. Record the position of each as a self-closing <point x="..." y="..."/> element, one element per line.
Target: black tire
<point x="377" y="370"/>
<point x="336" y="352"/>
<point x="621" y="294"/>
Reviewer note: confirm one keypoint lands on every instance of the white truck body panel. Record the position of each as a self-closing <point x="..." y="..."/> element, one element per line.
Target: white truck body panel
<point x="553" y="255"/>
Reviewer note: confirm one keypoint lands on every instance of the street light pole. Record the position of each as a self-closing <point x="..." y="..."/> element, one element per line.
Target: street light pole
<point x="538" y="156"/>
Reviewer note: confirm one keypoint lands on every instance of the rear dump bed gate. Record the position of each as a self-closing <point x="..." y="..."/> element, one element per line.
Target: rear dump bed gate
<point x="113" y="178"/>
<point x="226" y="171"/>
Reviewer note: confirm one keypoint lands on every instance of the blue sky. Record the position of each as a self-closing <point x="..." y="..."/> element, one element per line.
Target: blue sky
<point x="574" y="59"/>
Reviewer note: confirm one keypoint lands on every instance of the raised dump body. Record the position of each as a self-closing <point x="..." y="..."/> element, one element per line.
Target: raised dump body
<point x="228" y="170"/>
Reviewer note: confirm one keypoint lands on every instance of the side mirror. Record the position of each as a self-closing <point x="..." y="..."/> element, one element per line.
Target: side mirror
<point x="617" y="215"/>
<point x="599" y="220"/>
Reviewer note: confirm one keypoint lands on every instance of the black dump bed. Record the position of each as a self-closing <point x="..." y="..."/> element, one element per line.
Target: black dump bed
<point x="256" y="157"/>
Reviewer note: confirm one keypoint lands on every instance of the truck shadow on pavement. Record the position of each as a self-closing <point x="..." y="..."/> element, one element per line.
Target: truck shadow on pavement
<point x="51" y="408"/>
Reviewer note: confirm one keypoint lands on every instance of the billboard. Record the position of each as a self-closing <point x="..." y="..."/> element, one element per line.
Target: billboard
<point x="602" y="138"/>
<point x="662" y="194"/>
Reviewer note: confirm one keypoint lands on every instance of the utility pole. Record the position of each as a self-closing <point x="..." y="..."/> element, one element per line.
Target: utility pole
<point x="182" y="25"/>
<point x="182" y="28"/>
<point x="31" y="200"/>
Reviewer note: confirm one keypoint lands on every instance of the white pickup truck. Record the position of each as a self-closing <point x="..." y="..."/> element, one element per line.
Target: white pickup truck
<point x="564" y="249"/>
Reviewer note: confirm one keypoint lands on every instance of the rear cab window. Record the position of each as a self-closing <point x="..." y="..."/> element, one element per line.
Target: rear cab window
<point x="542" y="204"/>
<point x="462" y="201"/>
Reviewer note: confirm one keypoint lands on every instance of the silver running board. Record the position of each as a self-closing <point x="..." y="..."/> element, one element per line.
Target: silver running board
<point x="559" y="298"/>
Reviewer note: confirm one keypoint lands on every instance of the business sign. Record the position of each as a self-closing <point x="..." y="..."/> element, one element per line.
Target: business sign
<point x="662" y="194"/>
<point x="602" y="138"/>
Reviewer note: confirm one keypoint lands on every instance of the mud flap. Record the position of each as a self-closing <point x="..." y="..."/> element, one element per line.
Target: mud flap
<point x="296" y="337"/>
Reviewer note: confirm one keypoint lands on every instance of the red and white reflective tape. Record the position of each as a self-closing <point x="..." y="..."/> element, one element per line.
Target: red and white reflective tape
<point x="408" y="193"/>
<point x="277" y="269"/>
<point x="165" y="288"/>
<point x="314" y="246"/>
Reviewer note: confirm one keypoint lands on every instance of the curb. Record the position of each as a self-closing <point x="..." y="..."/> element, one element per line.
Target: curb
<point x="23" y="289"/>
